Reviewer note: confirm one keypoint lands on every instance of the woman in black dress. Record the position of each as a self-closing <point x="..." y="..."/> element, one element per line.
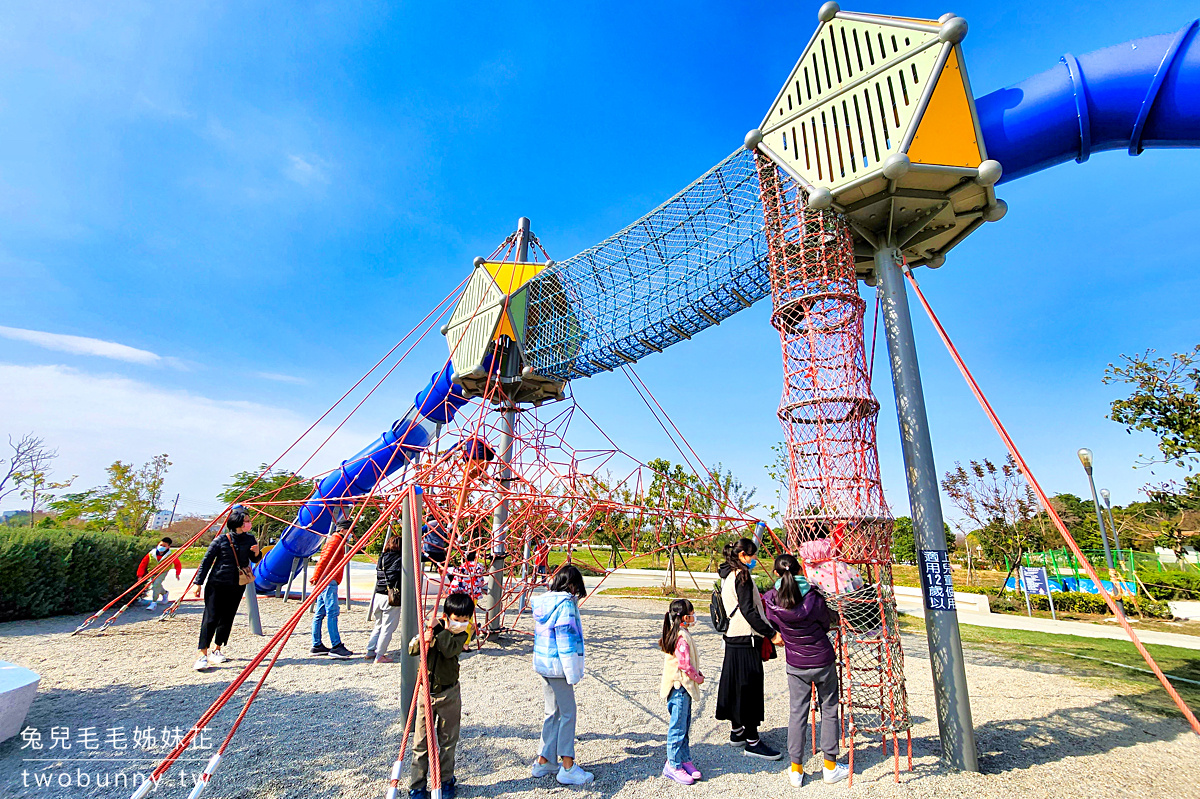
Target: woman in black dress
<point x="740" y="693"/>
<point x="234" y="549"/>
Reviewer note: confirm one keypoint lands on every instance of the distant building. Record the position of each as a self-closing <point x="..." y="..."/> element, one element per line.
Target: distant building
<point x="159" y="519"/>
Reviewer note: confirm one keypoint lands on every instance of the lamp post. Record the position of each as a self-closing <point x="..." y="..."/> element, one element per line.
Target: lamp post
<point x="1112" y="526"/>
<point x="1085" y="457"/>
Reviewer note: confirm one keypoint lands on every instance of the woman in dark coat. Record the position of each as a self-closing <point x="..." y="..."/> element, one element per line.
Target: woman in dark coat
<point x="231" y="551"/>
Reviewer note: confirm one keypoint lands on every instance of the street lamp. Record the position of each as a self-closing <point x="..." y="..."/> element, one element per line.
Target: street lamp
<point x="1112" y="526"/>
<point x="1085" y="457"/>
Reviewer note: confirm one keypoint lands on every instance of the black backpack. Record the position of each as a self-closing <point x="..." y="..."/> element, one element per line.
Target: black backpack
<point x="716" y="609"/>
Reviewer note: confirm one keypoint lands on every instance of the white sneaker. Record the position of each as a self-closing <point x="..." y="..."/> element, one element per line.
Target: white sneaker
<point x="216" y="656"/>
<point x="152" y="606"/>
<point x="201" y="663"/>
<point x="576" y="776"/>
<point x="836" y="774"/>
<point x="796" y="778"/>
<point x="543" y="769"/>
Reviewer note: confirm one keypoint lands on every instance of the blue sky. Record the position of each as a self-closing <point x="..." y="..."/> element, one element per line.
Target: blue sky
<point x="260" y="199"/>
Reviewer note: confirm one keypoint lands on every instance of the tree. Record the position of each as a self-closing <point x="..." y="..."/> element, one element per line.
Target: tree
<point x="998" y="501"/>
<point x="265" y="485"/>
<point x="24" y="449"/>
<point x="29" y="470"/>
<point x="1165" y="401"/>
<point x="904" y="547"/>
<point x="125" y="503"/>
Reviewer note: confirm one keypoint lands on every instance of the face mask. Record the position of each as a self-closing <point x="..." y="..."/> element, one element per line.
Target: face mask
<point x="457" y="626"/>
<point x="750" y="564"/>
<point x="162" y="550"/>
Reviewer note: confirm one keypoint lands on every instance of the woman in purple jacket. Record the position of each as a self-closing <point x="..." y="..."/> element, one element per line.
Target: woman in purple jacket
<point x="802" y="618"/>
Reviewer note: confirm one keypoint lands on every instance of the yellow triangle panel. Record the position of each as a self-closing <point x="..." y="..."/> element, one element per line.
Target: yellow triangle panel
<point x="946" y="134"/>
<point x="510" y="276"/>
<point x="505" y="328"/>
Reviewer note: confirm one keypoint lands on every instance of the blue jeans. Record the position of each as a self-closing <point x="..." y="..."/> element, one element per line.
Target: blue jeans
<point x="326" y="607"/>
<point x="679" y="704"/>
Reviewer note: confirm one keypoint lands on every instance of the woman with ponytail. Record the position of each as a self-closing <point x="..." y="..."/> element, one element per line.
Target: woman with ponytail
<point x="680" y="686"/>
<point x="802" y="617"/>
<point x="740" y="692"/>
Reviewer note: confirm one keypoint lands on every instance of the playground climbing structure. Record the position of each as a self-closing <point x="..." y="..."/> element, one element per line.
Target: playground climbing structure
<point x="873" y="159"/>
<point x="828" y="414"/>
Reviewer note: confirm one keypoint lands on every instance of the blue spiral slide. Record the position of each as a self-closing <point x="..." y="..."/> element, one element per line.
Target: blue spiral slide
<point x="399" y="445"/>
<point x="1144" y="93"/>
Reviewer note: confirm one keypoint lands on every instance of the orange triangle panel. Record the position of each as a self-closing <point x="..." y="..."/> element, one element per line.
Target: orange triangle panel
<point x="946" y="134"/>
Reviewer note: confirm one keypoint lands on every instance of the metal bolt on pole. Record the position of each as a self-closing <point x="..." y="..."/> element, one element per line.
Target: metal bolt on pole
<point x="941" y="626"/>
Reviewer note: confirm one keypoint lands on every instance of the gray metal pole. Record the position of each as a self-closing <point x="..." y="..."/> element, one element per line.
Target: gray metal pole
<point x="410" y="613"/>
<point x="1112" y="527"/>
<point x="495" y="612"/>
<point x="941" y="626"/>
<point x="252" y="610"/>
<point x="1099" y="518"/>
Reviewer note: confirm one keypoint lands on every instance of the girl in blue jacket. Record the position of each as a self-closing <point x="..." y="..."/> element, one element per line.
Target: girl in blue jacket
<point x="558" y="658"/>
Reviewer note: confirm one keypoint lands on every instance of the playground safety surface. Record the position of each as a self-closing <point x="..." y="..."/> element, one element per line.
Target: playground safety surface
<point x="325" y="728"/>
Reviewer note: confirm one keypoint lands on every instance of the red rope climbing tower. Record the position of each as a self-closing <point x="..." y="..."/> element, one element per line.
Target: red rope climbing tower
<point x="828" y="414"/>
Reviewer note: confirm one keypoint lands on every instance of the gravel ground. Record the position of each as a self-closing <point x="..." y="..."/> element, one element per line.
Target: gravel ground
<point x="331" y="729"/>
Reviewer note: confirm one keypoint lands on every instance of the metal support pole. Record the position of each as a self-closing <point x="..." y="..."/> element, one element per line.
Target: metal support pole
<point x="1099" y="519"/>
<point x="1112" y="526"/>
<point x="410" y="612"/>
<point x="511" y="371"/>
<point x="941" y="626"/>
<point x="252" y="610"/>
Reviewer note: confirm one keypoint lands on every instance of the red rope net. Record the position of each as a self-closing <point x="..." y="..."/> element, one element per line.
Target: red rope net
<point x="836" y="519"/>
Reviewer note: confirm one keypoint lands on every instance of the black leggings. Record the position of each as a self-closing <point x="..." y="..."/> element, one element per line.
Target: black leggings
<point x="220" y="606"/>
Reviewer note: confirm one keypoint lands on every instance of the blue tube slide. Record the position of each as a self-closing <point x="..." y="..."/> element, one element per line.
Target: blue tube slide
<point x="402" y="443"/>
<point x="1143" y="93"/>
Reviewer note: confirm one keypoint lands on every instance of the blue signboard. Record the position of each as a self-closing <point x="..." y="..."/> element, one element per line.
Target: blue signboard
<point x="1035" y="580"/>
<point x="937" y="582"/>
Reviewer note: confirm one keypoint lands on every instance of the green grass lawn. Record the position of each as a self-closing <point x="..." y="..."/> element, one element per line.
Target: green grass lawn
<point x="1082" y="658"/>
<point x="658" y="592"/>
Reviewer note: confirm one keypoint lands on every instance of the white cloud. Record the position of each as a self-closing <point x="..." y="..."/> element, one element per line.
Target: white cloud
<point x="94" y="420"/>
<point x="282" y="378"/>
<point x="305" y="171"/>
<point x="81" y="345"/>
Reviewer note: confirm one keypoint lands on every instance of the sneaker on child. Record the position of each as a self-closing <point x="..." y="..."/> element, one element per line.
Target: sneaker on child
<point x="574" y="776"/>
<point x="836" y="774"/>
<point x="152" y="606"/>
<point x="319" y="649"/>
<point x="340" y="652"/>
<point x="760" y="749"/>
<point x="217" y="656"/>
<point x="201" y="663"/>
<point x="677" y="773"/>
<point x="737" y="738"/>
<point x="796" y="778"/>
<point x="543" y="769"/>
<point x="690" y="768"/>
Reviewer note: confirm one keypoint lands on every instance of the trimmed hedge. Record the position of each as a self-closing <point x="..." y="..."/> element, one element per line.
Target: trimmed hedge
<point x="53" y="572"/>
<point x="1171" y="585"/>
<point x="1067" y="602"/>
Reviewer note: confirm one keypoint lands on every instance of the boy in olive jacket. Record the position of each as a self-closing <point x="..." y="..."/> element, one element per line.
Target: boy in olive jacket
<point x="446" y="640"/>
